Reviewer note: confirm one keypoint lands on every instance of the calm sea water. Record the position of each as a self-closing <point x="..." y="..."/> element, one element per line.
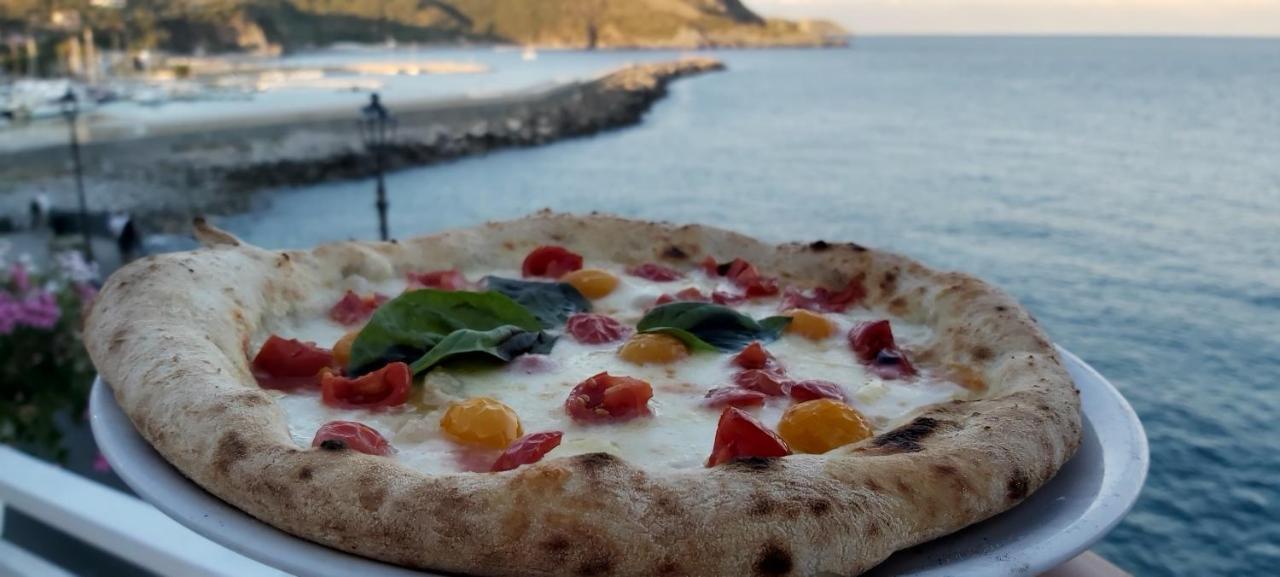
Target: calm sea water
<point x="1127" y="191"/>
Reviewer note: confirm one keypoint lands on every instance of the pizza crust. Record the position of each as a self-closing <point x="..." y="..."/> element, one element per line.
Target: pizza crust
<point x="170" y="333"/>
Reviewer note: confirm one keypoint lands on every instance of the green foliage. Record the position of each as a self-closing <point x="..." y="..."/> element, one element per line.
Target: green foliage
<point x="44" y="369"/>
<point x="710" y="327"/>
<point x="551" y="302"/>
<point x="503" y="343"/>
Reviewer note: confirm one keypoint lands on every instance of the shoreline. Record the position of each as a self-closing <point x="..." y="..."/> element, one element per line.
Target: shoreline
<point x="183" y="170"/>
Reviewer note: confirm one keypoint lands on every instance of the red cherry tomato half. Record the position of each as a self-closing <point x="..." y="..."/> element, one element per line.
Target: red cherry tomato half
<point x="527" y="449"/>
<point x="336" y="435"/>
<point x="691" y="294"/>
<point x="727" y="298"/>
<point x="754" y="357"/>
<point x="802" y="391"/>
<point x="385" y="387"/>
<point x="739" y="436"/>
<point x="734" y="397"/>
<point x="289" y="363"/>
<point x="354" y="309"/>
<point x="608" y="398"/>
<point x="595" y="329"/>
<point x="550" y="261"/>
<point x="893" y="364"/>
<point x="449" y="280"/>
<point x="869" y="338"/>
<point x="824" y="300"/>
<point x="771" y="382"/>
<point x="743" y="274"/>
<point x="655" y="272"/>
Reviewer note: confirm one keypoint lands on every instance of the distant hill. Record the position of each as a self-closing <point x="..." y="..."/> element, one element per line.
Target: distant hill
<point x="220" y="25"/>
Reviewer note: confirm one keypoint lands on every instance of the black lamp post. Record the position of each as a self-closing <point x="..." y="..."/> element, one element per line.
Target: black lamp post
<point x="71" y="111"/>
<point x="377" y="128"/>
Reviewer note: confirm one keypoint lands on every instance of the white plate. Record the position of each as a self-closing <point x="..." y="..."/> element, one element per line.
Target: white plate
<point x="1082" y="503"/>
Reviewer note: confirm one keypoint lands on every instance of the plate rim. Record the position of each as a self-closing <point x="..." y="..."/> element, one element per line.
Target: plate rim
<point x="231" y="527"/>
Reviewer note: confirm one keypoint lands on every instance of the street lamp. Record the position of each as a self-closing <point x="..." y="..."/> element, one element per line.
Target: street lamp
<point x="71" y="111"/>
<point x="377" y="128"/>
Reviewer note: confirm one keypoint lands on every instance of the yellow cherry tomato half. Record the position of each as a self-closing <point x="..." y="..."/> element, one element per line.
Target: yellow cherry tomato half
<point x="652" y="348"/>
<point x="342" y="348"/>
<point x="482" y="421"/>
<point x="593" y="283"/>
<point x="810" y="325"/>
<point x="821" y="425"/>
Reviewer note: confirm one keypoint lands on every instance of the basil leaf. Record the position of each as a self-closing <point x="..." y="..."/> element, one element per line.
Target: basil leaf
<point x="706" y="326"/>
<point x="551" y="302"/>
<point x="415" y="322"/>
<point x="503" y="343"/>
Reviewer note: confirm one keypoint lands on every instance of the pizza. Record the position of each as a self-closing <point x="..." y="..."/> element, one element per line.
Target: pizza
<point x="589" y="395"/>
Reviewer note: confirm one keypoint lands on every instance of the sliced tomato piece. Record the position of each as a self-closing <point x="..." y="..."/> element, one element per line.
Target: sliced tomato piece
<point x="869" y="338"/>
<point x="874" y="345"/>
<point x="691" y="294"/>
<point x="824" y="300"/>
<point x="385" y="387"/>
<point x="772" y="382"/>
<point x="739" y="436"/>
<point x="727" y="298"/>
<point x="754" y="356"/>
<point x="449" y="280"/>
<point x="893" y="364"/>
<point x="336" y="435"/>
<point x="289" y="363"/>
<point x="550" y="261"/>
<point x="604" y="397"/>
<point x="744" y="275"/>
<point x="734" y="397"/>
<point x="354" y="309"/>
<point x="655" y="272"/>
<point x="809" y="390"/>
<point x="595" y="329"/>
<point x="527" y="449"/>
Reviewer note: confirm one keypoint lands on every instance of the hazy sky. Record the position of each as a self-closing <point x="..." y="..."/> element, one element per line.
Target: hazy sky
<point x="1174" y="17"/>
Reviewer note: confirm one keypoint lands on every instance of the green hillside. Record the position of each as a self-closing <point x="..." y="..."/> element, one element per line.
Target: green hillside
<point x="218" y="25"/>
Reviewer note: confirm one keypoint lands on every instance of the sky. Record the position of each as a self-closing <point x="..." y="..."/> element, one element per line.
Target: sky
<point x="1140" y="17"/>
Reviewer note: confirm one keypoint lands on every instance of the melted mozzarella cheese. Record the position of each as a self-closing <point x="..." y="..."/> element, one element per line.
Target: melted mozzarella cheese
<point x="679" y="433"/>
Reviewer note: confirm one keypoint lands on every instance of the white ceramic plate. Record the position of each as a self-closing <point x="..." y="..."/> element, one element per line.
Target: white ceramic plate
<point x="1082" y="503"/>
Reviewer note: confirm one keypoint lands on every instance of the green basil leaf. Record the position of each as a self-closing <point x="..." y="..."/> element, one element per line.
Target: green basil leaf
<point x="551" y="302"/>
<point x="415" y="322"/>
<point x="503" y="343"/>
<point x="713" y="326"/>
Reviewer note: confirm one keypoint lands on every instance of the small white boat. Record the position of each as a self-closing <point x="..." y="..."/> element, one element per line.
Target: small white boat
<point x="529" y="54"/>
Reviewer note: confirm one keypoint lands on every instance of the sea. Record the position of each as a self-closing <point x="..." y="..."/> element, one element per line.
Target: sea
<point x="1126" y="190"/>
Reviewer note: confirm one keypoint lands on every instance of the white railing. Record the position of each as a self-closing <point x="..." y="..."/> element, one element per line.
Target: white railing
<point x="109" y="520"/>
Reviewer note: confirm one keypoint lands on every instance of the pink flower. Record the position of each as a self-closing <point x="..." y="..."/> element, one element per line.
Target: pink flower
<point x="39" y="311"/>
<point x="21" y="278"/>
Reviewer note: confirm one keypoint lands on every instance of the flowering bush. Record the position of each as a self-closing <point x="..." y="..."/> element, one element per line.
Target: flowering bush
<point x="44" y="369"/>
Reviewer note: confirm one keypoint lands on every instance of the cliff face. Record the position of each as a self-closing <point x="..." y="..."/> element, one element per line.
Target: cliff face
<point x="560" y="23"/>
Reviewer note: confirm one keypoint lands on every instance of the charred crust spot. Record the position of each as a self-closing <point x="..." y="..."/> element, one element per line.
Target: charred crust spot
<point x="903" y="487"/>
<point x="873" y="529"/>
<point x="874" y="486"/>
<point x="667" y="568"/>
<point x="231" y="448"/>
<point x="557" y="237"/>
<point x="774" y="560"/>
<point x="761" y="505"/>
<point x="819" y="245"/>
<point x="944" y="470"/>
<point x="856" y="247"/>
<point x="1001" y="308"/>
<point x="906" y="439"/>
<point x="593" y="567"/>
<point x="983" y="353"/>
<point x="819" y="507"/>
<point x="333" y="445"/>
<point x="304" y="474"/>
<point x="753" y="463"/>
<point x="372" y="499"/>
<point x="889" y="281"/>
<point x="592" y="463"/>
<point x="557" y="544"/>
<point x="675" y="253"/>
<point x="508" y="245"/>
<point x="1017" y="487"/>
